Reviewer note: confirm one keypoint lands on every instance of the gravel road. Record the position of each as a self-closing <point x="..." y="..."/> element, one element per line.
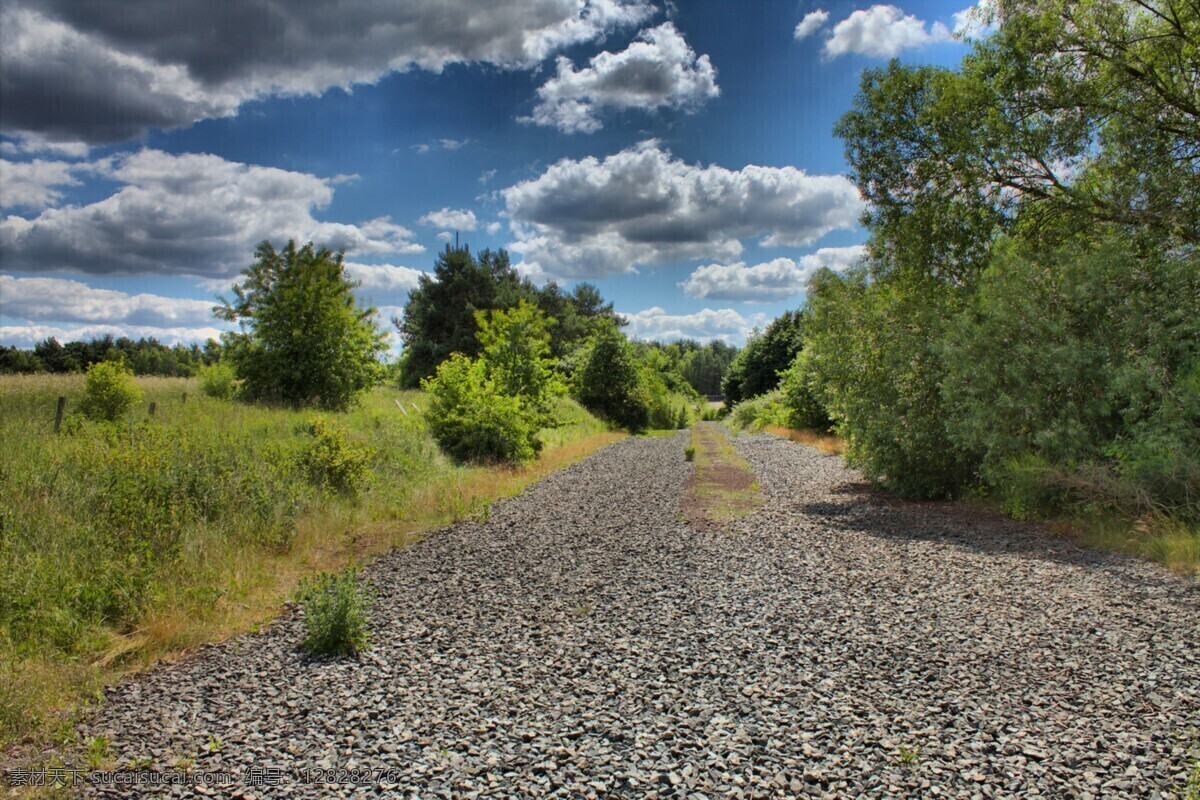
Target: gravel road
<point x="586" y="642"/>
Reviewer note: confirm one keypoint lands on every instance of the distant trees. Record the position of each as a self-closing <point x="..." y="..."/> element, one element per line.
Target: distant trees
<point x="705" y="366"/>
<point x="304" y="338"/>
<point x="146" y="356"/>
<point x="440" y="316"/>
<point x="756" y="368"/>
<point x="608" y="382"/>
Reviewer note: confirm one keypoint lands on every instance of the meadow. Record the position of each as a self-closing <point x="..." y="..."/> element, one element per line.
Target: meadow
<point x="127" y="543"/>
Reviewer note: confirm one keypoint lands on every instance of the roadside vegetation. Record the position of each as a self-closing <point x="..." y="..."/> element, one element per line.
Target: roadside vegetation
<point x="1025" y="326"/>
<point x="722" y="487"/>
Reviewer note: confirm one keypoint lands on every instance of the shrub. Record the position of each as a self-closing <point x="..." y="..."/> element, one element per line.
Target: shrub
<point x="473" y="421"/>
<point x="336" y="609"/>
<point x="335" y="461"/>
<point x="689" y="453"/>
<point x="218" y="380"/>
<point x="609" y="381"/>
<point x="799" y="396"/>
<point x="109" y="391"/>
<point x="756" y="413"/>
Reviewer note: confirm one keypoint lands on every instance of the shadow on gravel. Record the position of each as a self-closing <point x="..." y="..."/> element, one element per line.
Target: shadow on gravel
<point x="875" y="512"/>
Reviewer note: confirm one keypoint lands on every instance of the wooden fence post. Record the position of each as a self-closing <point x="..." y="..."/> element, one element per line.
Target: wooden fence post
<point x="152" y="406"/>
<point x="58" y="413"/>
<point x="185" y="397"/>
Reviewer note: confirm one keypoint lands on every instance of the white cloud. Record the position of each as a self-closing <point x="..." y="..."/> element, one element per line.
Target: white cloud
<point x="114" y="73"/>
<point x="882" y="31"/>
<point x="486" y="176"/>
<point x="493" y="228"/>
<point x="32" y="184"/>
<point x="60" y="300"/>
<point x="440" y="144"/>
<point x="723" y="323"/>
<point x="592" y="218"/>
<point x="32" y="143"/>
<point x="455" y="218"/>
<point x="977" y="21"/>
<point x="385" y="277"/>
<point x="658" y="70"/>
<point x="770" y="281"/>
<point x="187" y="214"/>
<point x="812" y="22"/>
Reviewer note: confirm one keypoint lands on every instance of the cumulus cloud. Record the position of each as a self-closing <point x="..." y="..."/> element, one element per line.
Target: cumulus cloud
<point x="457" y="219"/>
<point x="440" y="144"/>
<point x="590" y="218"/>
<point x="493" y="228"/>
<point x="813" y="21"/>
<point x="977" y="21"/>
<point x="187" y="214"/>
<point x="767" y="282"/>
<point x="882" y="31"/>
<point x="25" y="336"/>
<point x="115" y="70"/>
<point x="60" y="300"/>
<point x="386" y="278"/>
<point x="33" y="184"/>
<point x="724" y="324"/>
<point x="25" y="144"/>
<point x="658" y="70"/>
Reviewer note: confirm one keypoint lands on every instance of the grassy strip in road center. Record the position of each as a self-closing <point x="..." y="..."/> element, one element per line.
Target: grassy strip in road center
<point x="723" y="488"/>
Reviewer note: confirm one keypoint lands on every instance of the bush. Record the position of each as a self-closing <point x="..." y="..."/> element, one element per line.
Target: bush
<point x="333" y="460"/>
<point x="109" y="391"/>
<point x="689" y="453"/>
<point x="218" y="380"/>
<point x="305" y="339"/>
<point x="472" y="420"/>
<point x="609" y="382"/>
<point x="758" y="412"/>
<point x="800" y="397"/>
<point x="336" y="608"/>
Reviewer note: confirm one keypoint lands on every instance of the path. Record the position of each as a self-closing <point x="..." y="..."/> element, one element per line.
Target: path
<point x="585" y="641"/>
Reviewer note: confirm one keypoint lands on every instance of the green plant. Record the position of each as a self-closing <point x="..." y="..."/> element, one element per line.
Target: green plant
<point x="218" y="380"/>
<point x="336" y="608"/>
<point x="109" y="391"/>
<point x="305" y="340"/>
<point x="334" y="460"/>
<point x="96" y="751"/>
<point x="214" y="743"/>
<point x="472" y="420"/>
<point x="609" y="383"/>
<point x="689" y="453"/>
<point x="908" y="756"/>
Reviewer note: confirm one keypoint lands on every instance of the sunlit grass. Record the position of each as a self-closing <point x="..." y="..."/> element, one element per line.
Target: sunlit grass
<point x="826" y="443"/>
<point x="124" y="546"/>
<point x="723" y="487"/>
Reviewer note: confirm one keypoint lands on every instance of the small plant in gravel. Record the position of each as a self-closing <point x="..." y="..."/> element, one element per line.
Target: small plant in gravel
<point x="97" y="751"/>
<point x="689" y="453"/>
<point x="214" y="744"/>
<point x="335" y="613"/>
<point x="184" y="763"/>
<point x="908" y="756"/>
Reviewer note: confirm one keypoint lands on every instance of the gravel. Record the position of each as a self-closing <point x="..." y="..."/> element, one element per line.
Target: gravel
<point x="586" y="642"/>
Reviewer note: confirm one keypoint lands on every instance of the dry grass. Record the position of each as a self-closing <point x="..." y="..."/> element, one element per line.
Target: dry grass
<point x="826" y="443"/>
<point x="226" y="586"/>
<point x="723" y="487"/>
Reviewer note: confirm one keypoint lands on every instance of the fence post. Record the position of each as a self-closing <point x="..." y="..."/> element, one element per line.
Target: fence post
<point x="58" y="413"/>
<point x="185" y="397"/>
<point x="152" y="405"/>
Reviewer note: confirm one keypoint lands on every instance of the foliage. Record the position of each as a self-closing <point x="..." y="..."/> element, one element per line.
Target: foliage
<point x="609" y="381"/>
<point x="1083" y="355"/>
<point x="336" y="613"/>
<point x="440" y="317"/>
<point x="335" y="461"/>
<point x="305" y="340"/>
<point x="689" y="453"/>
<point x="218" y="380"/>
<point x="800" y="388"/>
<point x="146" y="356"/>
<point x="758" y="412"/>
<point x="756" y="369"/>
<point x="516" y="354"/>
<point x="703" y="367"/>
<point x="474" y="420"/>
<point x="874" y="351"/>
<point x="109" y="392"/>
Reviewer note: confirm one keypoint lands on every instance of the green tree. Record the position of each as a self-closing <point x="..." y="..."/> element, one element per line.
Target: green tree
<point x="304" y="338"/>
<point x="516" y="354"/>
<point x="756" y="368"/>
<point x="473" y="419"/>
<point x="608" y="383"/>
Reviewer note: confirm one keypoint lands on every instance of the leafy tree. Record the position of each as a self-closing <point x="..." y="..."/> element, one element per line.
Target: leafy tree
<point x="16" y="362"/>
<point x="109" y="391"/>
<point x="609" y="384"/>
<point x="516" y="354"/>
<point x="756" y="368"/>
<point x="304" y="340"/>
<point x="704" y="367"/>
<point x="800" y="395"/>
<point x="54" y="356"/>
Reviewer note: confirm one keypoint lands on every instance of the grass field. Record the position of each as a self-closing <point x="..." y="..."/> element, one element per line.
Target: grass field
<point x="127" y="543"/>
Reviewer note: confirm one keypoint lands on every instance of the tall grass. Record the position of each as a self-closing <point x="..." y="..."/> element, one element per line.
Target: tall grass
<point x="125" y="542"/>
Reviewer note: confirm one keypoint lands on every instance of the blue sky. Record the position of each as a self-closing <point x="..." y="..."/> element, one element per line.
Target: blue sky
<point x="678" y="155"/>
